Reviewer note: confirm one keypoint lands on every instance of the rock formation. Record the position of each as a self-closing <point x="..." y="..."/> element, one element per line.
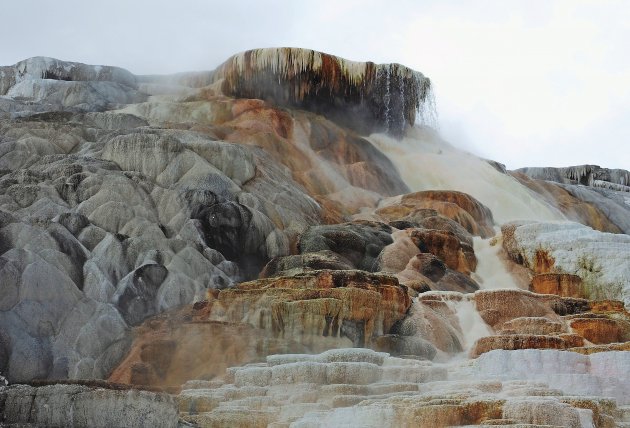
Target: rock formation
<point x="374" y="389"/>
<point x="599" y="259"/>
<point x="78" y="405"/>
<point x="231" y="248"/>
<point x="588" y="194"/>
<point x="586" y="175"/>
<point x="362" y="95"/>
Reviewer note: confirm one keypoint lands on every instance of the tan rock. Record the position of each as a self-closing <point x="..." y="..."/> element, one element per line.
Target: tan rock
<point x="481" y="215"/>
<point x="308" y="312"/>
<point x="317" y="303"/>
<point x="588" y="350"/>
<point x="460" y="207"/>
<point x="532" y="325"/>
<point x="499" y="306"/>
<point x="521" y="341"/>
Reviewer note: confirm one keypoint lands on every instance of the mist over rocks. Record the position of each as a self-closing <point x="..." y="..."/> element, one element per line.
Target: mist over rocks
<point x="361" y="95"/>
<point x="238" y="239"/>
<point x="131" y="212"/>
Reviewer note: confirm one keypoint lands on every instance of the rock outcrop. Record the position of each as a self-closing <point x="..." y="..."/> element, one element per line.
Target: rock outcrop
<point x="78" y="405"/>
<point x="122" y="196"/>
<point x="589" y="194"/>
<point x="599" y="259"/>
<point x="606" y="216"/>
<point x="421" y="208"/>
<point x="586" y="175"/>
<point x="363" y="95"/>
<point x="229" y="248"/>
<point x="308" y="312"/>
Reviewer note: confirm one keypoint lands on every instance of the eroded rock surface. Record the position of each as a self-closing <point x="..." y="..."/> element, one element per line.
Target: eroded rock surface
<point x="74" y="405"/>
<point x="355" y="94"/>
<point x="169" y="230"/>
<point x="123" y="196"/>
<point x="308" y="312"/>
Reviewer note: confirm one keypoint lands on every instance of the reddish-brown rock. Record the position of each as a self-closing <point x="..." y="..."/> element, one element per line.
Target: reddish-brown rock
<point x="461" y="207"/>
<point x="471" y="214"/>
<point x="499" y="306"/>
<point x="309" y="312"/>
<point x="326" y="303"/>
<point x="445" y="245"/>
<point x="172" y="348"/>
<point x="601" y="330"/>
<point x="532" y="325"/>
<point x="564" y="285"/>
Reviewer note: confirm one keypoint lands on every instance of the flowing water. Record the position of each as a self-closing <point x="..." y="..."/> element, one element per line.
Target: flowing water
<point x="425" y="162"/>
<point x="472" y="326"/>
<point x="491" y="272"/>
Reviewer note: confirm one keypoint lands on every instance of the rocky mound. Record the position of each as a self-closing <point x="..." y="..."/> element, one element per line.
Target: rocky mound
<point x="231" y="237"/>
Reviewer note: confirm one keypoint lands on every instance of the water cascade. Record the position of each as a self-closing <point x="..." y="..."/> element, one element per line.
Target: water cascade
<point x="426" y="162"/>
<point x="225" y="248"/>
<point x="472" y="326"/>
<point x="491" y="272"/>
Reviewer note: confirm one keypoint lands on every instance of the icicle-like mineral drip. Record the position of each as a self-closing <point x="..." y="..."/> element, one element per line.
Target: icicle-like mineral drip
<point x="366" y="96"/>
<point x="387" y="98"/>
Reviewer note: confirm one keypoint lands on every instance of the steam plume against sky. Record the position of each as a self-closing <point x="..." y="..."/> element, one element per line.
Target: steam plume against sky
<point x="528" y="83"/>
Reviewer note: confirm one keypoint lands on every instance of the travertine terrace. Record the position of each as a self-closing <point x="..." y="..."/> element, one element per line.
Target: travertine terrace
<point x="284" y="242"/>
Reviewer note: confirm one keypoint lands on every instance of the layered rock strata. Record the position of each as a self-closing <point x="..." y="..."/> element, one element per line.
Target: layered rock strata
<point x="365" y="388"/>
<point x="308" y="312"/>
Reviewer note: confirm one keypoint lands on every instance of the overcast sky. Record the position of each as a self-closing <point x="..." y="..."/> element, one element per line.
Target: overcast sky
<point x="527" y="83"/>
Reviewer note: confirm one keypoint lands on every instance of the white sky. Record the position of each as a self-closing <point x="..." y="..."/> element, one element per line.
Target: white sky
<point x="527" y="83"/>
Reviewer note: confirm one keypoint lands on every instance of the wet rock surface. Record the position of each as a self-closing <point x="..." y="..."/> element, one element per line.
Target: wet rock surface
<point x="303" y="313"/>
<point x="122" y="197"/>
<point x="365" y="388"/>
<point x="228" y="261"/>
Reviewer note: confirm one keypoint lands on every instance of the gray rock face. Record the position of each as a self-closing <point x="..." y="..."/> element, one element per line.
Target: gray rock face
<point x="46" y="84"/>
<point x="294" y="264"/>
<point x="82" y="406"/>
<point x="445" y="279"/>
<point x="360" y="242"/>
<point x="586" y="175"/>
<point x="105" y="220"/>
<point x="614" y="204"/>
<point x="606" y="189"/>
